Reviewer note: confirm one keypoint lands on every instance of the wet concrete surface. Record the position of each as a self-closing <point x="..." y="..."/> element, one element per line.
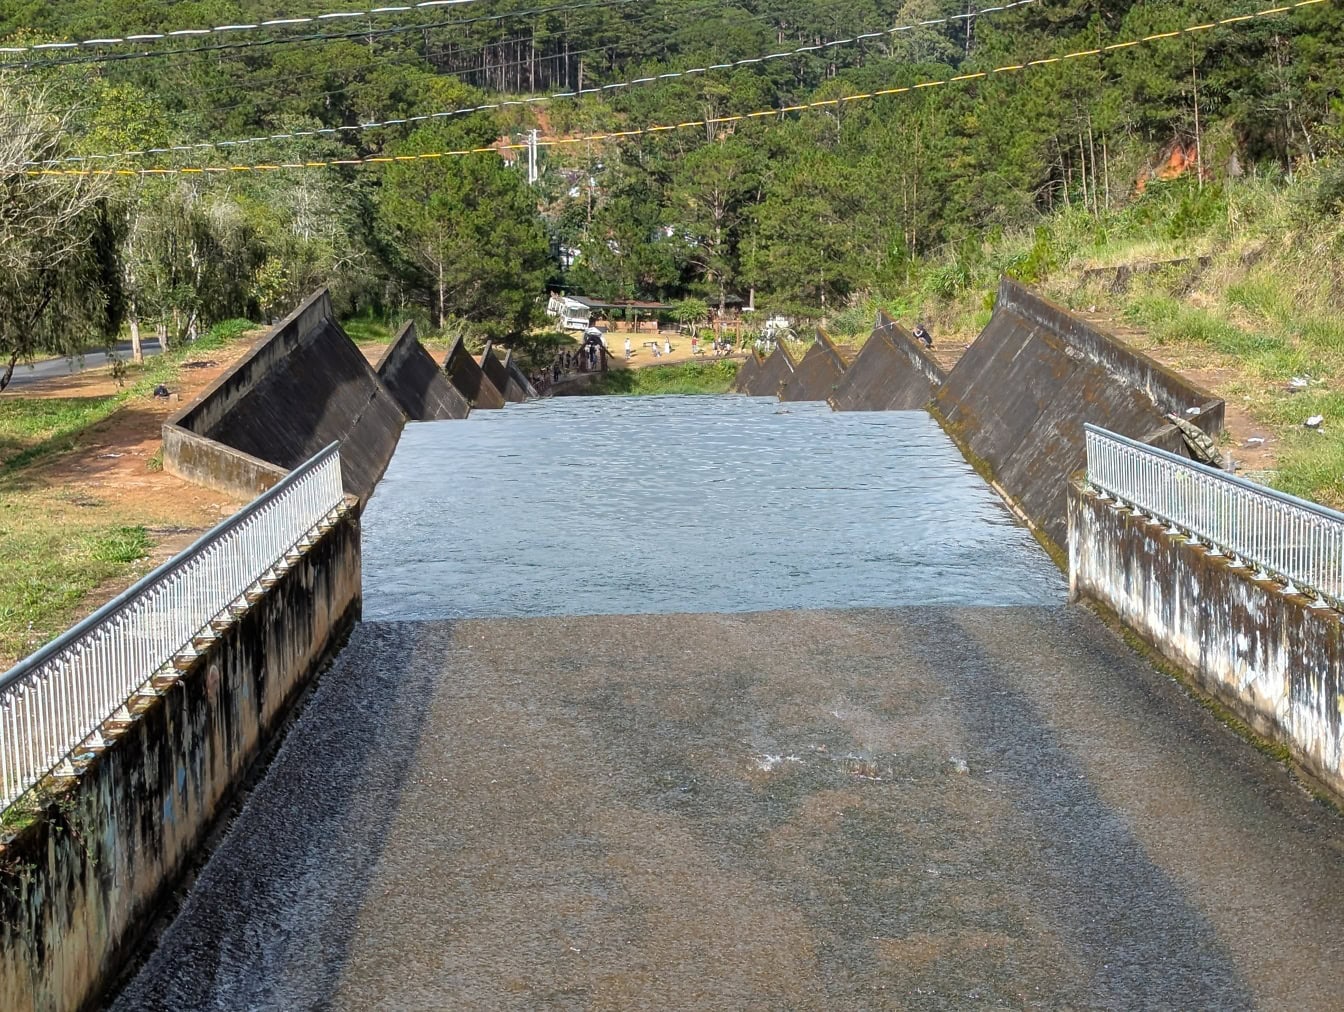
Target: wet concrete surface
<point x="929" y="808"/>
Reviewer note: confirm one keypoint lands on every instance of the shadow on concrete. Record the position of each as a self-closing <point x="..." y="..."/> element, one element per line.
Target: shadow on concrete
<point x="270" y="921"/>
<point x="421" y="388"/>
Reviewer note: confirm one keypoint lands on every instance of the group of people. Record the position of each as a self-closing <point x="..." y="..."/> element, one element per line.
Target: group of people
<point x="658" y="351"/>
<point x="721" y="348"/>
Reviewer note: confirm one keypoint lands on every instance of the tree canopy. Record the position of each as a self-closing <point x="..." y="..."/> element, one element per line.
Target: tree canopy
<point x="801" y="209"/>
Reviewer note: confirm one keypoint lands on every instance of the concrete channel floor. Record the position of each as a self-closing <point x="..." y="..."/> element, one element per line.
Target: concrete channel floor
<point x="914" y="808"/>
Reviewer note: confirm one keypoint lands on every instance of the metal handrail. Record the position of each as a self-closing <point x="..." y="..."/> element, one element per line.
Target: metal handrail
<point x="1298" y="542"/>
<point x="55" y="700"/>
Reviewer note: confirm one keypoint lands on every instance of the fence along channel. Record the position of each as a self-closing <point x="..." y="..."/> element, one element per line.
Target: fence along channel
<point x="1292" y="540"/>
<point x="55" y="701"/>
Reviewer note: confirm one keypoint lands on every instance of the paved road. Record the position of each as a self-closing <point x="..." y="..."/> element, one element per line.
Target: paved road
<point x="935" y="808"/>
<point x="52" y="368"/>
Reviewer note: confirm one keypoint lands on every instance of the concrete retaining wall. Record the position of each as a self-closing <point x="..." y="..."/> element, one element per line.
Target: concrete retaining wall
<point x="893" y="372"/>
<point x="519" y="377"/>
<point x="742" y="381"/>
<point x="466" y="375"/>
<point x="1017" y="400"/>
<point x="817" y="375"/>
<point x="776" y="369"/>
<point x="301" y="387"/>
<point x="82" y="883"/>
<point x="1168" y="390"/>
<point x="1268" y="656"/>
<point x="416" y="381"/>
<point x="497" y="374"/>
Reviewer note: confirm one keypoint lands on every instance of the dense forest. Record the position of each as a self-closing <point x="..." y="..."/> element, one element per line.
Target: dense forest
<point x="807" y="211"/>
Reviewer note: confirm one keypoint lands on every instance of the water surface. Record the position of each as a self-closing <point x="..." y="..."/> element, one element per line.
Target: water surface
<point x="611" y="505"/>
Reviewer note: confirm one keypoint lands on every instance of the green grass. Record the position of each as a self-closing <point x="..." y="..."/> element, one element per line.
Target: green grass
<point x="1313" y="468"/>
<point x="56" y="552"/>
<point x="713" y="377"/>
<point x="369" y="329"/>
<point x="34" y="427"/>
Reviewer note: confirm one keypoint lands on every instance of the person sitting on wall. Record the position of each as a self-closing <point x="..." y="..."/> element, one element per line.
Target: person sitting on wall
<point x="923" y="336"/>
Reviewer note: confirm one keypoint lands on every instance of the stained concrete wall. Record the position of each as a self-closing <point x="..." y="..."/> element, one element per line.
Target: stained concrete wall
<point x="300" y="388"/>
<point x="1017" y="400"/>
<point x="742" y="381"/>
<point x="421" y="388"/>
<point x="497" y="374"/>
<point x="1268" y="656"/>
<point x="817" y="375"/>
<point x="83" y="881"/>
<point x="1168" y="390"/>
<point x="519" y="377"/>
<point x="892" y="372"/>
<point x="470" y="381"/>
<point x="776" y="369"/>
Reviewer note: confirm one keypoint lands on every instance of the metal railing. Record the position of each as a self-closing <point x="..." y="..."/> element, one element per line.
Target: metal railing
<point x="55" y="701"/>
<point x="1279" y="535"/>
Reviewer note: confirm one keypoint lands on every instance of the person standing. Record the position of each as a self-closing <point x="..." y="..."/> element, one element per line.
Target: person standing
<point x="627" y="349"/>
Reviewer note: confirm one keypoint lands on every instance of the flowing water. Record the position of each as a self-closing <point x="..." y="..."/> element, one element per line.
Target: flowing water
<point x="610" y="505"/>
<point x="709" y="703"/>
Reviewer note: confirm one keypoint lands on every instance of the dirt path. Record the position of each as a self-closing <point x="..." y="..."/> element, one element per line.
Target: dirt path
<point x="112" y="463"/>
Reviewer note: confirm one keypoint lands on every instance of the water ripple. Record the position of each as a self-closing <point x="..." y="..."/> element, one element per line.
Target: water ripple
<point x="687" y="504"/>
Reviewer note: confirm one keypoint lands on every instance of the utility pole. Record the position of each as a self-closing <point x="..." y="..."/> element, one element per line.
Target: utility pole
<point x="532" y="158"/>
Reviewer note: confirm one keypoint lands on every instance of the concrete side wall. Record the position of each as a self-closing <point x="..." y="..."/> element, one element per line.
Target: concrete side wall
<point x="745" y="375"/>
<point x="1168" y="390"/>
<point x="774" y="372"/>
<point x="497" y="374"/>
<point x="817" y="375"/>
<point x="1018" y="398"/>
<point x="519" y="377"/>
<point x="214" y="465"/>
<point x="83" y="881"/>
<point x="466" y="375"/>
<point x="1272" y="659"/>
<point x="302" y="387"/>
<point x="892" y="372"/>
<point x="416" y="381"/>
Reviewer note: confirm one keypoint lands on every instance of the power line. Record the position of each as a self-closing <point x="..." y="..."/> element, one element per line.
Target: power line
<point x="811" y="50"/>
<point x="180" y="85"/>
<point x="409" y="56"/>
<point x="129" y="37"/>
<point x="368" y="34"/>
<point x="687" y="124"/>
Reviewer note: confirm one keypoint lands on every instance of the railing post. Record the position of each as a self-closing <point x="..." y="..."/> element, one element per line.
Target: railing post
<point x="59" y="698"/>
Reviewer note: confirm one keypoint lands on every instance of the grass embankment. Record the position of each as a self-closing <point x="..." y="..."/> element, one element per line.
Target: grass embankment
<point x="59" y="544"/>
<point x="55" y="556"/>
<point x="714" y="377"/>
<point x="1267" y="307"/>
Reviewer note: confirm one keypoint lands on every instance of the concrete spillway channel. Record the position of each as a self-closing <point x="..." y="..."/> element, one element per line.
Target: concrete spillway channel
<point x="723" y="703"/>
